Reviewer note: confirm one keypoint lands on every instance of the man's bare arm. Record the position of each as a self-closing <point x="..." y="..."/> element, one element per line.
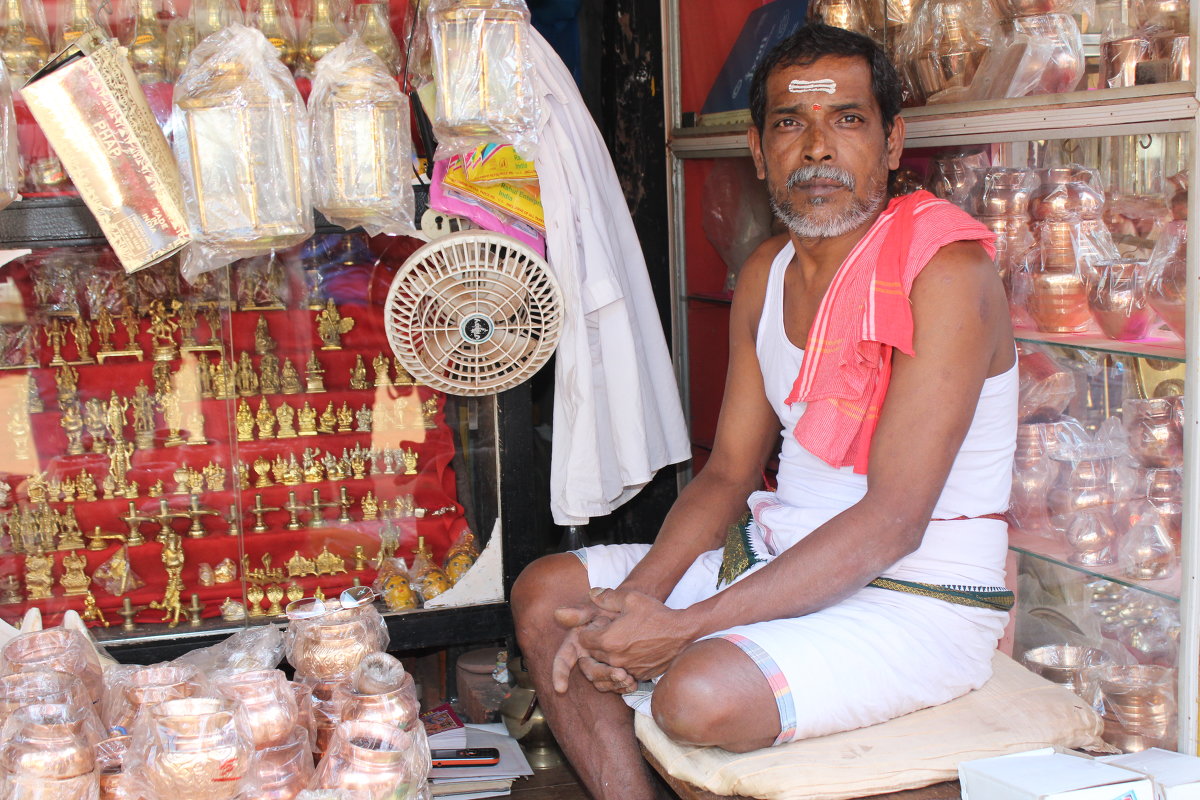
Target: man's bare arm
<point x="961" y="336"/>
<point x="747" y="433"/>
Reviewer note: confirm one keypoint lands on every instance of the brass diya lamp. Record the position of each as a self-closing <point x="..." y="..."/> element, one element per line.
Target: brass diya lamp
<point x="1155" y="431"/>
<point x="367" y="760"/>
<point x="1118" y="302"/>
<point x="48" y="754"/>
<point x="268" y="702"/>
<point x="198" y="750"/>
<point x="57" y="649"/>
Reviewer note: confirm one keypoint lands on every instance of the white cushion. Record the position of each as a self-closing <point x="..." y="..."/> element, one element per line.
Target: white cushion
<point x="1014" y="711"/>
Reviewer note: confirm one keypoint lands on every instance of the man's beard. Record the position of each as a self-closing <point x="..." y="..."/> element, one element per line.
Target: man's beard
<point x="809" y="226"/>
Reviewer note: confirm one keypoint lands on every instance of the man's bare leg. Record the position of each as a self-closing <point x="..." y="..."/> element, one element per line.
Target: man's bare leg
<point x="594" y="729"/>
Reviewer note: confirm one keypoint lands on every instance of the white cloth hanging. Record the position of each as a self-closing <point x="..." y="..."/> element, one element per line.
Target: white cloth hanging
<point x="617" y="414"/>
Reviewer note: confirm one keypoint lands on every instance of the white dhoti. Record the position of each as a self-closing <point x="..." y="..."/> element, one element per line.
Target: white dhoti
<point x="874" y="656"/>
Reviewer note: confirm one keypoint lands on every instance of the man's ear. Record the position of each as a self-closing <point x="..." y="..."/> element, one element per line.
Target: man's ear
<point x="754" y="141"/>
<point x="895" y="142"/>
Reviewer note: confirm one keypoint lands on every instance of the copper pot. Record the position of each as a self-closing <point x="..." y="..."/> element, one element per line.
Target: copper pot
<point x="1170" y="14"/>
<point x="149" y="686"/>
<point x="1167" y="284"/>
<point x="1067" y="665"/>
<point x="40" y="686"/>
<point x="110" y="770"/>
<point x="1119" y="59"/>
<point x="283" y="770"/>
<point x="268" y="703"/>
<point x="1008" y="9"/>
<point x="332" y="644"/>
<point x="198" y="751"/>
<point x="1046" y="388"/>
<point x="1147" y="550"/>
<point x="1058" y="302"/>
<point x="1065" y="194"/>
<point x="1141" y="698"/>
<point x="368" y="760"/>
<point x="1033" y="475"/>
<point x="1060" y="47"/>
<point x="49" y="742"/>
<point x="1001" y="192"/>
<point x="1155" y="431"/>
<point x="1165" y="492"/>
<point x="58" y="649"/>
<point x="1117" y="300"/>
<point x="949" y="57"/>
<point x="953" y="172"/>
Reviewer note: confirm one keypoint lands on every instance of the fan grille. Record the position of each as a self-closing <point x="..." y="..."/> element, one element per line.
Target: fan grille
<point x="473" y="313"/>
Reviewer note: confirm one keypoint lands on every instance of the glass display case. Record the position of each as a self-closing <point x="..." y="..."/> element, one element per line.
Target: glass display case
<point x="1088" y="196"/>
<point x="184" y="460"/>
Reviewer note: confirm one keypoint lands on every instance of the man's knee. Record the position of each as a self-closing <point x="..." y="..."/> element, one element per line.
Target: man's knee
<point x="702" y="701"/>
<point x="546" y="584"/>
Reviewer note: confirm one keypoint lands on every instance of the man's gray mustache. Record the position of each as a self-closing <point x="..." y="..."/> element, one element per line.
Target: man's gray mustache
<point x="820" y="172"/>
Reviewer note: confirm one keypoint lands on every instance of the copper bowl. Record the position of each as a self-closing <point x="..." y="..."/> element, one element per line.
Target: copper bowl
<point x="47" y="741"/>
<point x="1068" y="665"/>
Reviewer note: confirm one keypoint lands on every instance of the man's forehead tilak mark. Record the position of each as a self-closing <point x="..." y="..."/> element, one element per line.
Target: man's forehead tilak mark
<point x="826" y="85"/>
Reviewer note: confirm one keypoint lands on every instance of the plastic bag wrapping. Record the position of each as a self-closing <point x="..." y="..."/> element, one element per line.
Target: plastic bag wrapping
<point x="379" y="673"/>
<point x="115" y="784"/>
<point x="10" y="158"/>
<point x="482" y="67"/>
<point x="1012" y="9"/>
<point x="461" y="556"/>
<point x="737" y="213"/>
<point x="326" y="640"/>
<point x="362" y="146"/>
<point x="115" y="575"/>
<point x="1035" y="471"/>
<point x="195" y="747"/>
<point x="372" y="761"/>
<point x="1118" y="299"/>
<point x="59" y="649"/>
<point x="129" y="689"/>
<point x="22" y="689"/>
<point x="942" y="47"/>
<point x="1147" y="551"/>
<point x="268" y="701"/>
<point x="283" y="769"/>
<point x="1167" y="278"/>
<point x="1030" y="55"/>
<point x="394" y="585"/>
<point x="396" y="707"/>
<point x="1169" y="15"/>
<point x="245" y="651"/>
<point x="429" y="579"/>
<point x="325" y="794"/>
<point x="240" y="136"/>
<point x="954" y="172"/>
<point x="1140" y="699"/>
<point x="280" y="28"/>
<point x="852" y="15"/>
<point x="1046" y="386"/>
<point x="48" y="752"/>
<point x="417" y="61"/>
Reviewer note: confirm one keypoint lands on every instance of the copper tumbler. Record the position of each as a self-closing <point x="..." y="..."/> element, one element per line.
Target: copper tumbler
<point x="1058" y="302"/>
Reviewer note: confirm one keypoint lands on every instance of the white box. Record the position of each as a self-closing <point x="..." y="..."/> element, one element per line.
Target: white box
<point x="1047" y="775"/>
<point x="1176" y="776"/>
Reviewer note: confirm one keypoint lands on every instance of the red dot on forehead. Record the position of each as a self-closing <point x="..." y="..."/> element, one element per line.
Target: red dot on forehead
<point x="816" y="107"/>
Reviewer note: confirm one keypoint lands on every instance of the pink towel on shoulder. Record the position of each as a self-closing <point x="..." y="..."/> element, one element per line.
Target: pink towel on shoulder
<point x="864" y="315"/>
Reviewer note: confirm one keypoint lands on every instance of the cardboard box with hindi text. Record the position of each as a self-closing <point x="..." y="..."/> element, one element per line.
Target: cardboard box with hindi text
<point x="1049" y="775"/>
<point x="95" y="115"/>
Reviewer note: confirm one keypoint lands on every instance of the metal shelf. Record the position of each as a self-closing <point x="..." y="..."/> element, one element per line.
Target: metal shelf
<point x="1164" y="346"/>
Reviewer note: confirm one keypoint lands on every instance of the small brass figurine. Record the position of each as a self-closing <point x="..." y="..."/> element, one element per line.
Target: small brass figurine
<point x="358" y="374"/>
<point x="313" y="373"/>
<point x="328" y="420"/>
<point x="214" y="477"/>
<point x="91" y="611"/>
<point x="295" y="592"/>
<point x="298" y="566"/>
<point x="329" y="564"/>
<point x="429" y="413"/>
<point x="168" y="404"/>
<point x="263" y="343"/>
<point x="95" y="420"/>
<point x="105" y="328"/>
<point x="254" y="597"/>
<point x="187" y="326"/>
<point x="265" y="419"/>
<point x="289" y="380"/>
<point x="363" y="419"/>
<point x="259" y="511"/>
<point x="382" y="371"/>
<point x="345" y="419"/>
<point x="345" y="503"/>
<point x="162" y="329"/>
<point x="10" y="590"/>
<point x="115" y="418"/>
<point x="232" y="610"/>
<point x="316" y="509"/>
<point x="33" y="398"/>
<point x="66" y="380"/>
<point x="85" y="487"/>
<point x="194" y="425"/>
<point x="247" y="381"/>
<point x="370" y="506"/>
<point x="39" y="582"/>
<point x="360" y="558"/>
<point x="403" y="378"/>
<point x="293" y="508"/>
<point x="134" y="522"/>
<point x="285" y="414"/>
<point x="409" y="456"/>
<point x="197" y="530"/>
<point x="274" y="596"/>
<point x="268" y="374"/>
<point x="81" y="332"/>
<point x="262" y="469"/>
<point x="22" y="439"/>
<point x="308" y="420"/>
<point x="331" y="325"/>
<point x="74" y="580"/>
<point x="143" y="417"/>
<point x="160" y="373"/>
<point x="225" y="571"/>
<point x="56" y="337"/>
<point x="244" y="420"/>
<point x="172" y="559"/>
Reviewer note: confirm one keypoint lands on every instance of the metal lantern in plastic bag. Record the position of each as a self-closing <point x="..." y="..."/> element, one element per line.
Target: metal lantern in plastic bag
<point x="240" y="141"/>
<point x="481" y="67"/>
<point x="361" y="151"/>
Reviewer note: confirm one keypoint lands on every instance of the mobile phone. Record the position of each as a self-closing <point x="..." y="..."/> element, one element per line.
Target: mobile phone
<point x="466" y="757"/>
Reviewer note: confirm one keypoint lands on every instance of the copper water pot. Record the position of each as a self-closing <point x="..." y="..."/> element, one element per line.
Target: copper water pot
<point x="1155" y="431"/>
<point x="1117" y="299"/>
<point x="149" y="686"/>
<point x="110" y="770"/>
<point x="332" y="645"/>
<point x="1001" y="192"/>
<point x="1065" y="194"/>
<point x="283" y="770"/>
<point x="1164" y="490"/>
<point x="199" y="751"/>
<point x="268" y="702"/>
<point x="1167" y="285"/>
<point x="47" y="741"/>
<point x="398" y="707"/>
<point x="1058" y="302"/>
<point x="368" y="760"/>
<point x="58" y="649"/>
<point x="40" y="686"/>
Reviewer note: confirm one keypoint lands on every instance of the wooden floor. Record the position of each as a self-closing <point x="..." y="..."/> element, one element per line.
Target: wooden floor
<point x="558" y="783"/>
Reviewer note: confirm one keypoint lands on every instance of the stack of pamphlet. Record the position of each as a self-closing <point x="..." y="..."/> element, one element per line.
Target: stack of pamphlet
<point x="495" y="780"/>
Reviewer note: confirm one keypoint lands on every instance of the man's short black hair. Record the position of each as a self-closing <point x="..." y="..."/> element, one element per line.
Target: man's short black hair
<point x="815" y="41"/>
